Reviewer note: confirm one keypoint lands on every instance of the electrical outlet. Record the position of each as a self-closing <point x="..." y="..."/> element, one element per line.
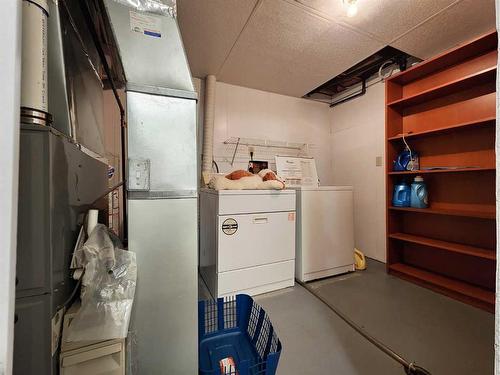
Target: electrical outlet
<point x="138" y="174"/>
<point x="378" y="161"/>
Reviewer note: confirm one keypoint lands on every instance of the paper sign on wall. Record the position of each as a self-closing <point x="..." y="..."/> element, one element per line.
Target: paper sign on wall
<point x="145" y="24"/>
<point x="297" y="171"/>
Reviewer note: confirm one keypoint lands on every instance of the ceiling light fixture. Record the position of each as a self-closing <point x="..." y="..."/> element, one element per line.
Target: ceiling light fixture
<point x="352" y="8"/>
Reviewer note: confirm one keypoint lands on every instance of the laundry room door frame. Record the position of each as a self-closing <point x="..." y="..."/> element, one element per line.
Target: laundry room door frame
<point x="10" y="76"/>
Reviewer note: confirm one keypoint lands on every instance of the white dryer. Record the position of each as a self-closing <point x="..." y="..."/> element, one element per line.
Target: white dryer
<point x="247" y="240"/>
<point x="325" y="232"/>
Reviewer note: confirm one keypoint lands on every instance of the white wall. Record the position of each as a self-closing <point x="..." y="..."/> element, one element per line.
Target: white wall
<point x="249" y="113"/>
<point x="345" y="142"/>
<point x="10" y="63"/>
<point x="358" y="137"/>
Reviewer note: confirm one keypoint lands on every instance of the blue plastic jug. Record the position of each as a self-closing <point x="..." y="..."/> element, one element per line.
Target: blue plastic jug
<point x="406" y="161"/>
<point x="419" y="196"/>
<point x="401" y="195"/>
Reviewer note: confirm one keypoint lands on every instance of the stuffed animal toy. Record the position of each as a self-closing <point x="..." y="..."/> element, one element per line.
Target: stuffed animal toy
<point x="243" y="180"/>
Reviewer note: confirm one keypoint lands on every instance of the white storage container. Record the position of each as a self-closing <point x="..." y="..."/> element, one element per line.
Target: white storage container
<point x="247" y="240"/>
<point x="90" y="357"/>
<point x="103" y="359"/>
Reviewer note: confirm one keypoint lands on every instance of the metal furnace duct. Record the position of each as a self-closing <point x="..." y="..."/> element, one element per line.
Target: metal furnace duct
<point x="162" y="185"/>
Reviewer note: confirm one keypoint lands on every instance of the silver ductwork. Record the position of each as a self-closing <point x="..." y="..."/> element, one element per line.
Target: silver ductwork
<point x="58" y="95"/>
<point x="75" y="88"/>
<point x="150" y="45"/>
<point x="159" y="89"/>
<point x="162" y="184"/>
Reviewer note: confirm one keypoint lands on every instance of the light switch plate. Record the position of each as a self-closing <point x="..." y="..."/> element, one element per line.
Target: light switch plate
<point x="138" y="174"/>
<point x="378" y="161"/>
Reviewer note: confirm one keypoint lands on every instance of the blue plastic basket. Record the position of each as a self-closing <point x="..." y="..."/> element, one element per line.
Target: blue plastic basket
<point x="239" y="328"/>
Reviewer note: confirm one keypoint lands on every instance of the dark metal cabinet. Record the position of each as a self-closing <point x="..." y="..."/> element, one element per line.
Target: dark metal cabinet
<point x="57" y="184"/>
<point x="33" y="239"/>
<point x="32" y="344"/>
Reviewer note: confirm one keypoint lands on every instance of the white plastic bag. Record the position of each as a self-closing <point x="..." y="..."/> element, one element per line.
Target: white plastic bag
<point x="108" y="288"/>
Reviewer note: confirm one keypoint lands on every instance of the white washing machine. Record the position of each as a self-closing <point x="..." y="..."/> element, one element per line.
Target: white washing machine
<point x="325" y="231"/>
<point x="325" y="221"/>
<point x="247" y="240"/>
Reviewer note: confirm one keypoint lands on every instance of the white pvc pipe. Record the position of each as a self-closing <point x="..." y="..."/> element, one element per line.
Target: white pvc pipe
<point x="208" y="124"/>
<point x="92" y="218"/>
<point x="34" y="88"/>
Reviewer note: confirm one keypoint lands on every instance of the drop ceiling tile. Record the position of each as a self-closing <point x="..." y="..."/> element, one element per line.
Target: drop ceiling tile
<point x="337" y="50"/>
<point x="383" y="19"/>
<point x="286" y="50"/>
<point x="459" y="23"/>
<point x="209" y="29"/>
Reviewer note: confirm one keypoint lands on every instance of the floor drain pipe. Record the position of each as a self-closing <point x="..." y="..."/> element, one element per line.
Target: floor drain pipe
<point x="410" y="367"/>
<point x="208" y="128"/>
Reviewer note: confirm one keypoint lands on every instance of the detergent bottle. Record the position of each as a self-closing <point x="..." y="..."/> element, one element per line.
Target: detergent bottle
<point x="419" y="197"/>
<point x="407" y="160"/>
<point x="401" y="195"/>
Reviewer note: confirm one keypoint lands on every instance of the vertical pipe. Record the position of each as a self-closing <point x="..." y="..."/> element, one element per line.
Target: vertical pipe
<point x="34" y="90"/>
<point x="208" y="126"/>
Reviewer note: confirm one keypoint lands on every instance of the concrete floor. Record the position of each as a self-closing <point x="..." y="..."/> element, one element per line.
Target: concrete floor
<point x="438" y="333"/>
